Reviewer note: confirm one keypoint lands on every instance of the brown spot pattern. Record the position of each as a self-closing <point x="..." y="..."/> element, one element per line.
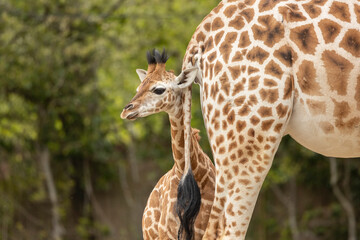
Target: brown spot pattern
<point x="217" y="24"/>
<point x="329" y="29"/>
<point x="265" y="111"/>
<point x="207" y="27"/>
<point x="254" y="120"/>
<point x="226" y="46"/>
<point x="277" y="129"/>
<point x="257" y="54"/>
<point x="218" y="37"/>
<point x="357" y="92"/>
<point x="237" y="23"/>
<point x="237" y="57"/>
<point x="200" y="37"/>
<point x="266" y="125"/>
<point x="219" y="140"/>
<point x="316" y="107"/>
<point x="285" y="55"/>
<point x="319" y="2"/>
<point x="239" y="101"/>
<point x="341" y="109"/>
<point x="270" y="31"/>
<point x="248" y="14"/>
<point x="337" y="70"/>
<point x="269" y="95"/>
<point x="252" y="70"/>
<point x="351" y="42"/>
<point x="217" y="68"/>
<point x="326" y="127"/>
<point x="209" y="44"/>
<point x="274" y="69"/>
<point x="212" y="57"/>
<point x="307" y="78"/>
<point x="305" y="38"/>
<point x="252" y="100"/>
<point x="270" y="83"/>
<point x="244" y="40"/>
<point x="220" y="99"/>
<point x="231" y="117"/>
<point x="357" y="12"/>
<point x="281" y="110"/>
<point x="240" y="125"/>
<point x="349" y="125"/>
<point x="292" y="13"/>
<point x="230" y="10"/>
<point x="265" y="5"/>
<point x="312" y="9"/>
<point x="235" y="72"/>
<point x="225" y="84"/>
<point x="244" y="111"/>
<point x="340" y="11"/>
<point x="253" y="83"/>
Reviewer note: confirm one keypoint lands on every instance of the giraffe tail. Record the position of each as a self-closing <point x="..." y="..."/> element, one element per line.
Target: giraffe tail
<point x="188" y="205"/>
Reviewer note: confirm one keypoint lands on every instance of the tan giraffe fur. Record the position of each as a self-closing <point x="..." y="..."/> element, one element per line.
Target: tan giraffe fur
<point x="270" y="68"/>
<point x="159" y="219"/>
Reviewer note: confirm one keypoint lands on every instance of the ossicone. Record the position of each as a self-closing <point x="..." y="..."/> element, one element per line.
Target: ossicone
<point x="156" y="60"/>
<point x="161" y="57"/>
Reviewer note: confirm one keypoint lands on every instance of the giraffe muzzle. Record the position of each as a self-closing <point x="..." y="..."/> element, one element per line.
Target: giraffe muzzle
<point x="128" y="114"/>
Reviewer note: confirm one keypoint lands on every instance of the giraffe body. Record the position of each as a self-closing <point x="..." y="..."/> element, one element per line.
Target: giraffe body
<point x="159" y="218"/>
<point x="160" y="91"/>
<point x="271" y="68"/>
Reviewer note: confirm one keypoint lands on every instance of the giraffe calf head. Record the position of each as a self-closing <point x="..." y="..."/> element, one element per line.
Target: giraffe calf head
<point x="159" y="90"/>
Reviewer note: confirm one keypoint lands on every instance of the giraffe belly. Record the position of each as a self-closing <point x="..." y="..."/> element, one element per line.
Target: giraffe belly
<point x="319" y="134"/>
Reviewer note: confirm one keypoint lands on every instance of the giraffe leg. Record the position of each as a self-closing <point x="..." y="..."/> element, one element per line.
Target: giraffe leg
<point x="244" y="141"/>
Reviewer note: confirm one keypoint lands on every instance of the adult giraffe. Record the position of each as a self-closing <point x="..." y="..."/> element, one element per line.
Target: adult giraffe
<point x="270" y="68"/>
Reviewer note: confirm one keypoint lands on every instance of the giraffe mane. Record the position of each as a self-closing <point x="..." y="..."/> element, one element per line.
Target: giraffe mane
<point x="195" y="132"/>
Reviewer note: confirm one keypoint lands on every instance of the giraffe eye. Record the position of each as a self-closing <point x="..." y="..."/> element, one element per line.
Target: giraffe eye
<point x="159" y="91"/>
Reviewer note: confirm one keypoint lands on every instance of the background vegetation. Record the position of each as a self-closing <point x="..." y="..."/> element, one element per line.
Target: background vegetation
<point x="70" y="168"/>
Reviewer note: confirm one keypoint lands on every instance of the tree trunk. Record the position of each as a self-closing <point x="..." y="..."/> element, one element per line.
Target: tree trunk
<point x="92" y="198"/>
<point x="57" y="228"/>
<point x="345" y="202"/>
<point x="289" y="201"/>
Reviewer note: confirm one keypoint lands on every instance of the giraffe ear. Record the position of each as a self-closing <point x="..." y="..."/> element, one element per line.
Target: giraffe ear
<point x="141" y="73"/>
<point x="186" y="77"/>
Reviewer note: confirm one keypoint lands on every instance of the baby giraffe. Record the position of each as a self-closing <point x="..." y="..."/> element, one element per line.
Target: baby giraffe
<point x="161" y="90"/>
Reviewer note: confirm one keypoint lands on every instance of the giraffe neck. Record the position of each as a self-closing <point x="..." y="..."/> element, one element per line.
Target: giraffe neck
<point x="177" y="141"/>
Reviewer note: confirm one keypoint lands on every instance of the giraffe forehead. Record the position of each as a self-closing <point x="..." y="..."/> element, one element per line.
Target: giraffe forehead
<point x="149" y="84"/>
<point x="153" y="79"/>
<point x="161" y="76"/>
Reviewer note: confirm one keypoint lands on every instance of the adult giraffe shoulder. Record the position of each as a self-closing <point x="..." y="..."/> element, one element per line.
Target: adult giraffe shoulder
<point x="271" y="68"/>
<point x="160" y="90"/>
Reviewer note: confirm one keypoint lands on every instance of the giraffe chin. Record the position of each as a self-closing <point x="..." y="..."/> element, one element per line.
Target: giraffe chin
<point x="132" y="116"/>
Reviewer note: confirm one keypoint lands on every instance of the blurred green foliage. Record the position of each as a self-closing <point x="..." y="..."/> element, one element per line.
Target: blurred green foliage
<point x="67" y="68"/>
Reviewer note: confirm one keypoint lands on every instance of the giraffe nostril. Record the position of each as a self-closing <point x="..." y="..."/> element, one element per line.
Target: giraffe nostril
<point x="128" y="107"/>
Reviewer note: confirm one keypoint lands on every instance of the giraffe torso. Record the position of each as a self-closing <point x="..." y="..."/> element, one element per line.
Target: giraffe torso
<point x="271" y="68"/>
<point x="159" y="219"/>
<point x="309" y="50"/>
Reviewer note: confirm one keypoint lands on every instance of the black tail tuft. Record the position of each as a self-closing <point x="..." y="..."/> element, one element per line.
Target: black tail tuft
<point x="188" y="205"/>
